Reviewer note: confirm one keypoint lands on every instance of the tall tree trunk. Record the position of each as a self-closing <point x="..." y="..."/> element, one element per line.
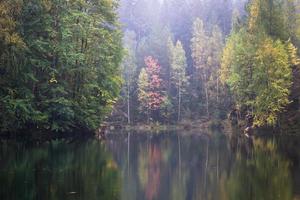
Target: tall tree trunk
<point x="206" y="97"/>
<point x="179" y="104"/>
<point x="204" y="80"/>
<point x="218" y="92"/>
<point x="128" y="103"/>
<point x="128" y="157"/>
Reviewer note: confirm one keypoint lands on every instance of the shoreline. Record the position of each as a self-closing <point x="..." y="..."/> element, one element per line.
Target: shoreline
<point x="182" y="126"/>
<point x="186" y="126"/>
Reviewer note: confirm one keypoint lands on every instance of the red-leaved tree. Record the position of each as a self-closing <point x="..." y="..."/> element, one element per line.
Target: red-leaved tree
<point x="155" y="91"/>
<point x="151" y="95"/>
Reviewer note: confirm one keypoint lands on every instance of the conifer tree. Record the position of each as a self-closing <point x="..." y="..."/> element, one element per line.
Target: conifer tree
<point x="178" y="73"/>
<point x="215" y="48"/>
<point x="199" y="43"/>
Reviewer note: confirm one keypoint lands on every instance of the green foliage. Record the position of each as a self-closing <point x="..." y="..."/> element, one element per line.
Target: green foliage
<point x="259" y="50"/>
<point x="206" y="54"/>
<point x="178" y="67"/>
<point x="63" y="64"/>
<point x="272" y="81"/>
<point x="257" y="62"/>
<point x="237" y="69"/>
<point x="143" y="85"/>
<point x="179" y="78"/>
<point x="199" y="44"/>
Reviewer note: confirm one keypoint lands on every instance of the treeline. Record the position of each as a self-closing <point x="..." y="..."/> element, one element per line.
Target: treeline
<point x="58" y="63"/>
<point x="259" y="58"/>
<point x="204" y="59"/>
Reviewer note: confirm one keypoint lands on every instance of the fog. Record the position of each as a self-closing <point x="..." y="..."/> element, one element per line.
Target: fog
<point x="148" y="25"/>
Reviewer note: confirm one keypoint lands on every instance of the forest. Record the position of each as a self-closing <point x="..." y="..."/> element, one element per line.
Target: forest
<point x="59" y="64"/>
<point x="187" y="60"/>
<point x="69" y="65"/>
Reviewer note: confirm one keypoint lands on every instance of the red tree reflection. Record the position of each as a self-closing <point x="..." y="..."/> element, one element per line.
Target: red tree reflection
<point x="153" y="184"/>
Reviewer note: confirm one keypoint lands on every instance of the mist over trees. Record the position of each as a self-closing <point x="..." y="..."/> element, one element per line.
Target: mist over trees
<point x="186" y="38"/>
<point x="216" y="56"/>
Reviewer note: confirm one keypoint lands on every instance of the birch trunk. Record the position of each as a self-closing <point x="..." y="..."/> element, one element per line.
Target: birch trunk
<point x="128" y="103"/>
<point x="179" y="104"/>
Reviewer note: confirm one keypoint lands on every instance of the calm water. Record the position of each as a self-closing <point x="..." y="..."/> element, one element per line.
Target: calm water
<point x="166" y="166"/>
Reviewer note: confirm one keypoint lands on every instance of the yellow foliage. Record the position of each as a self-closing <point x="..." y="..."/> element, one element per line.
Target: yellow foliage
<point x="111" y="164"/>
<point x="253" y="15"/>
<point x="292" y="50"/>
<point x="9" y="10"/>
<point x="53" y="79"/>
<point x="47" y="5"/>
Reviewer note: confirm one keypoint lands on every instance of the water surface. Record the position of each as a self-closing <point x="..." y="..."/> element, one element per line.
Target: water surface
<point x="162" y="166"/>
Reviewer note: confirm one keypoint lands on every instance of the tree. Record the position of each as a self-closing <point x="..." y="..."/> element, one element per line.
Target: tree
<point x="129" y="67"/>
<point x="215" y="48"/>
<point x="238" y="75"/>
<point x="14" y="105"/>
<point x="151" y="94"/>
<point x="258" y="69"/>
<point x="257" y="62"/>
<point x="156" y="96"/>
<point x="206" y="54"/>
<point x="199" y="54"/>
<point x="274" y="17"/>
<point x="143" y="87"/>
<point x="272" y="80"/>
<point x="178" y="72"/>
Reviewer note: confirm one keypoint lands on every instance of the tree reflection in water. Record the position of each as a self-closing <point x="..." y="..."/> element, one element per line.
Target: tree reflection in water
<point x="151" y="166"/>
<point x="208" y="166"/>
<point x="260" y="174"/>
<point x="58" y="170"/>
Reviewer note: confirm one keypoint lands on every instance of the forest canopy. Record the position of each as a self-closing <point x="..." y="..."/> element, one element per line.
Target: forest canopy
<point x="59" y="63"/>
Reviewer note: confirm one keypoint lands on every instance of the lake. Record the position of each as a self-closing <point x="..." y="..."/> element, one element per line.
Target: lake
<point x="160" y="166"/>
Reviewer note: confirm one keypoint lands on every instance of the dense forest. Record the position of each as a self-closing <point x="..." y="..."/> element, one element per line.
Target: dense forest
<point x="191" y="60"/>
<point x="59" y="63"/>
<point x="66" y="65"/>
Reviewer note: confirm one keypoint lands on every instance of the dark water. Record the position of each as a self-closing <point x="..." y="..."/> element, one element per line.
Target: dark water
<point x="166" y="166"/>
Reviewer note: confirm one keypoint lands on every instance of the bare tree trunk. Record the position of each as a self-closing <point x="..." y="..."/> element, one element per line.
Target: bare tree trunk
<point x="128" y="103"/>
<point x="218" y="91"/>
<point x="204" y="79"/>
<point x="179" y="104"/>
<point x="206" y="97"/>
